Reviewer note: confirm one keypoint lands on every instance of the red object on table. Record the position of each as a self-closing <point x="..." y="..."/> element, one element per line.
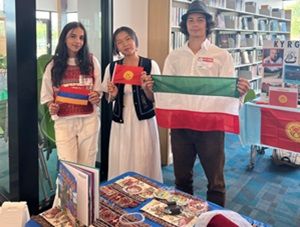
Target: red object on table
<point x="283" y="97"/>
<point x="221" y="221"/>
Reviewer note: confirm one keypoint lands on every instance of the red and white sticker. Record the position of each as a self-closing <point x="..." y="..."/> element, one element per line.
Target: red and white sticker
<point x="206" y="59"/>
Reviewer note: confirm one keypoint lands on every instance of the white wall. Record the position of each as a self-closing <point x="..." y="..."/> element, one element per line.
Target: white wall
<point x="89" y="16"/>
<point x="46" y="5"/>
<point x="51" y="5"/>
<point x="72" y="5"/>
<point x="134" y="14"/>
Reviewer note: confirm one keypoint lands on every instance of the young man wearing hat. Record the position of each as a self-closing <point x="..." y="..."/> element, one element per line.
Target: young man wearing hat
<point x="199" y="57"/>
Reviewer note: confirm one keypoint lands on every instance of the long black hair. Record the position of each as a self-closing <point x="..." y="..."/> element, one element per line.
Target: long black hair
<point x="129" y="31"/>
<point x="60" y="58"/>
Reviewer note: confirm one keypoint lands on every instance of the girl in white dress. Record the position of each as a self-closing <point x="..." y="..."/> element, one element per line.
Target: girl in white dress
<point x="134" y="140"/>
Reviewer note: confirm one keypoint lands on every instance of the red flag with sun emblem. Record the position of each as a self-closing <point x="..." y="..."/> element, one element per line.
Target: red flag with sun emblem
<point x="283" y="96"/>
<point x="280" y="128"/>
<point x="124" y="74"/>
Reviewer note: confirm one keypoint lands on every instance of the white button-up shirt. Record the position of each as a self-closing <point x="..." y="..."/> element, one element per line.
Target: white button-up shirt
<point x="210" y="60"/>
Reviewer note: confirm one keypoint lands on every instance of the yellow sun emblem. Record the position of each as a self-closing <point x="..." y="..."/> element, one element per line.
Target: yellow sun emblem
<point x="292" y="130"/>
<point x="128" y="75"/>
<point x="282" y="99"/>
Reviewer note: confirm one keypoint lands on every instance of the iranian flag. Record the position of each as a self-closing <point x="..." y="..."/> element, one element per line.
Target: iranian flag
<point x="198" y="103"/>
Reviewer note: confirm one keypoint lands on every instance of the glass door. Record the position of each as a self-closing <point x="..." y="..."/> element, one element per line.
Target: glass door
<point x="51" y="17"/>
<point x="43" y="34"/>
<point x="27" y="160"/>
<point x="4" y="161"/>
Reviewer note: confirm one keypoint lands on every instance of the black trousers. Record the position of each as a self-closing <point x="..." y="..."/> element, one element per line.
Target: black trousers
<point x="209" y="146"/>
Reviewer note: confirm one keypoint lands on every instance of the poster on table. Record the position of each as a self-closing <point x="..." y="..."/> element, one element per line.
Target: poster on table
<point x="281" y="62"/>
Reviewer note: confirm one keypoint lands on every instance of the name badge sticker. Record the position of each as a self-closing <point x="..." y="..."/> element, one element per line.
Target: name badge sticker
<point x="206" y="59"/>
<point x="204" y="62"/>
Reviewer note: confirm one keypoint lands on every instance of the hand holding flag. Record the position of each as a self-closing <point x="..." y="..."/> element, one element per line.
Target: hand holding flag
<point x="243" y="86"/>
<point x="147" y="85"/>
<point x="112" y="91"/>
<point x="53" y="108"/>
<point x="147" y="82"/>
<point x="124" y="74"/>
<point x="94" y="97"/>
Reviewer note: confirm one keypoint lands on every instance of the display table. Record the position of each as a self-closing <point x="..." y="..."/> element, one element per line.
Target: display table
<point x="264" y="125"/>
<point x="211" y="206"/>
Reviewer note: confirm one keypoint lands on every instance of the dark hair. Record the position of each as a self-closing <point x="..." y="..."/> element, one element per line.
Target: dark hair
<point x="60" y="58"/>
<point x="210" y="24"/>
<point x="129" y="31"/>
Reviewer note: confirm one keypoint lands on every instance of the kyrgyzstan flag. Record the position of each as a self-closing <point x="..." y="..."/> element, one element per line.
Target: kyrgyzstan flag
<point x="198" y="103"/>
<point x="124" y="74"/>
<point x="270" y="126"/>
<point x="283" y="96"/>
<point x="76" y="95"/>
<point x="280" y="128"/>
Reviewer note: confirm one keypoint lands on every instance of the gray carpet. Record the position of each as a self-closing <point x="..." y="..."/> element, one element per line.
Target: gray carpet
<point x="268" y="193"/>
<point x="46" y="192"/>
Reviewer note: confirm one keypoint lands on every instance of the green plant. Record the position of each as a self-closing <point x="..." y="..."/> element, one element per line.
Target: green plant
<point x="45" y="121"/>
<point x="3" y="62"/>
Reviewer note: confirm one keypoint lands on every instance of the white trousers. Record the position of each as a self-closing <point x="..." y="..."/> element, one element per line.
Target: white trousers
<point x="77" y="139"/>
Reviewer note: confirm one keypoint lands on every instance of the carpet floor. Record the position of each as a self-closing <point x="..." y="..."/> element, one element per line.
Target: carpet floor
<point x="267" y="193"/>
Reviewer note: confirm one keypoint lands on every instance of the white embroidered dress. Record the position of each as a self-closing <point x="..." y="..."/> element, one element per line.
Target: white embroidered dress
<point x="134" y="144"/>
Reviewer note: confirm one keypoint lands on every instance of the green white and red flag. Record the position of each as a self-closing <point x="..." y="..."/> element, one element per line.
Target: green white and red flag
<point x="198" y="103"/>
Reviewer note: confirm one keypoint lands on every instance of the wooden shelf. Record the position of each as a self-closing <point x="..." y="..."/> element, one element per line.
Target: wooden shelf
<point x="249" y="14"/>
<point x="248" y="64"/>
<point x="162" y="32"/>
<point x="241" y="48"/>
<point x="233" y="30"/>
<point x="255" y="78"/>
<point x="182" y="1"/>
<point x="163" y="29"/>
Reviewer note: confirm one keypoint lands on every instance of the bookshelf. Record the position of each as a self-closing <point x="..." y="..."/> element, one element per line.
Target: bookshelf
<point x="241" y="28"/>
